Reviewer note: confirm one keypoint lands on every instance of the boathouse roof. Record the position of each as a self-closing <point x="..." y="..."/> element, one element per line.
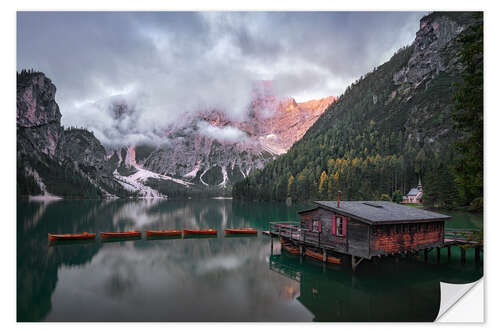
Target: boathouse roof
<point x="381" y="212"/>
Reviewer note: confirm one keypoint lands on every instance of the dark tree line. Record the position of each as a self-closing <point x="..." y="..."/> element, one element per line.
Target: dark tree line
<point x="468" y="166"/>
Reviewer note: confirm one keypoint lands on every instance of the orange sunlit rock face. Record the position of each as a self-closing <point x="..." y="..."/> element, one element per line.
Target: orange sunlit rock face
<point x="291" y="120"/>
<point x="277" y="124"/>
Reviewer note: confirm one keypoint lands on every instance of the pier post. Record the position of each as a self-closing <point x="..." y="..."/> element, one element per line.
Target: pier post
<point x="477" y="255"/>
<point x="438" y="250"/>
<point x="355" y="263"/>
<point x="462" y="255"/>
<point x="272" y="247"/>
<point x="324" y="255"/>
<point x="449" y="252"/>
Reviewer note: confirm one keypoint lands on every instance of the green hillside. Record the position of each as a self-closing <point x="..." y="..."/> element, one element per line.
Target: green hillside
<point x="390" y="127"/>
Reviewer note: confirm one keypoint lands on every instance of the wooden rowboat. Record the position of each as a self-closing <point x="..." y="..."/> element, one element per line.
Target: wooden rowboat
<point x="83" y="235"/>
<point x="200" y="232"/>
<point x="291" y="249"/>
<point x="160" y="233"/>
<point x="319" y="256"/>
<point x="315" y="255"/>
<point x="125" y="234"/>
<point x="333" y="260"/>
<point x="245" y="231"/>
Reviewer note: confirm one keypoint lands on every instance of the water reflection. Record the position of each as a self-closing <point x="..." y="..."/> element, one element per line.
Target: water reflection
<point x="407" y="290"/>
<point x="207" y="279"/>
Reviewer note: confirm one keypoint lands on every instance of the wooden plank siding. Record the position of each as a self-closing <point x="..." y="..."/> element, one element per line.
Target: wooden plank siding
<point x="359" y="238"/>
<point x="396" y="238"/>
<point x="335" y="242"/>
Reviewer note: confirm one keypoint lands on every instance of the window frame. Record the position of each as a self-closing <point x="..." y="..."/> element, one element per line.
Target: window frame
<point x="339" y="232"/>
<point x="315" y="225"/>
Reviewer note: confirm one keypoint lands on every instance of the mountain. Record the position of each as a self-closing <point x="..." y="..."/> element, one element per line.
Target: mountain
<point x="53" y="161"/>
<point x="203" y="155"/>
<point x="209" y="152"/>
<point x="392" y="126"/>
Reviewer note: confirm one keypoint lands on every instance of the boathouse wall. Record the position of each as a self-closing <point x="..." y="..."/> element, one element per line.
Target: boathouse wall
<point x="359" y="238"/>
<point x="397" y="238"/>
<point x="355" y="237"/>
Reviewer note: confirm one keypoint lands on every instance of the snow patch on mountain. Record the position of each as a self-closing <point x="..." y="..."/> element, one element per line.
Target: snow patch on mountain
<point x="45" y="196"/>
<point x="136" y="182"/>
<point x="225" y="178"/>
<point x="201" y="178"/>
<point x="193" y="172"/>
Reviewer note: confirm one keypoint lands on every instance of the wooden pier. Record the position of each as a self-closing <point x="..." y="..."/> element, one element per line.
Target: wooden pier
<point x="465" y="239"/>
<point x="292" y="232"/>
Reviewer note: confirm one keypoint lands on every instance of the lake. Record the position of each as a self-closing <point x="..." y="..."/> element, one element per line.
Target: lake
<point x="210" y="279"/>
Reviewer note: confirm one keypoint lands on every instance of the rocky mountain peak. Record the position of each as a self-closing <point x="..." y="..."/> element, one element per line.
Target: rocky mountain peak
<point x="426" y="61"/>
<point x="51" y="160"/>
<point x="208" y="149"/>
<point x="36" y="103"/>
<point x="215" y="118"/>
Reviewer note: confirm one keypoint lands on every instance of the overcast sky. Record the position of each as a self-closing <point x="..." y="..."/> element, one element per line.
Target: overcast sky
<point x="168" y="64"/>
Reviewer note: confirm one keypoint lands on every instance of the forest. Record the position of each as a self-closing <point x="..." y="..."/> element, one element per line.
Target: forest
<point x="380" y="138"/>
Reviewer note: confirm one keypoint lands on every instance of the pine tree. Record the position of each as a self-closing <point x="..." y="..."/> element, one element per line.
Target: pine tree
<point x="291" y="186"/>
<point x="397" y="197"/>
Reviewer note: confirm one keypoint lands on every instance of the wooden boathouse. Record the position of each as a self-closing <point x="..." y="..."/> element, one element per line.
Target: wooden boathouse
<point x="364" y="229"/>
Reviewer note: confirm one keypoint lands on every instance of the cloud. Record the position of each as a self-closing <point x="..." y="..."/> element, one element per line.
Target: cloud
<point x="226" y="133"/>
<point x="169" y="65"/>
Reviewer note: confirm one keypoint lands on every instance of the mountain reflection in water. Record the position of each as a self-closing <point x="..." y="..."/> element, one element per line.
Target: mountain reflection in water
<point x="206" y="279"/>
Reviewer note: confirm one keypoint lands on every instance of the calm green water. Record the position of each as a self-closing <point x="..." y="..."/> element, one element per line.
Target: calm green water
<point x="210" y="279"/>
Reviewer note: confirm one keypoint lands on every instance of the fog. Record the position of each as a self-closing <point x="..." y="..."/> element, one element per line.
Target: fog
<point x="165" y="66"/>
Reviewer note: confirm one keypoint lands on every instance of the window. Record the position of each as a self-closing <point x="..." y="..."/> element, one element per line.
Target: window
<point x="340" y="226"/>
<point x="316" y="227"/>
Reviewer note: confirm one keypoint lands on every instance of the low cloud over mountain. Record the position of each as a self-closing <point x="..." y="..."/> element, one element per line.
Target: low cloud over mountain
<point x="168" y="65"/>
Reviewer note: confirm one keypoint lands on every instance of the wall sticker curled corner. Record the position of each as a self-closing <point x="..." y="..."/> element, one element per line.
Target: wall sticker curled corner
<point x="451" y="295"/>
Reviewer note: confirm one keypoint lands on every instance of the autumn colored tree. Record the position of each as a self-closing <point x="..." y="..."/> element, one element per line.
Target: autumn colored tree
<point x="323" y="183"/>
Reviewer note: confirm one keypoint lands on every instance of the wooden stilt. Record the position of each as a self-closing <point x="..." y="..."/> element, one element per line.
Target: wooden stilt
<point x="355" y="263"/>
<point x="272" y="247"/>
<point x="438" y="250"/>
<point x="462" y="255"/>
<point x="324" y="255"/>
